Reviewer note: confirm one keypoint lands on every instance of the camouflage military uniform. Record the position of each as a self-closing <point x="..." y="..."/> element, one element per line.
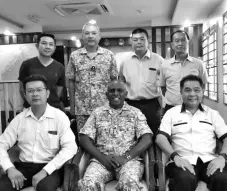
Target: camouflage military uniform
<point x="91" y="76"/>
<point x="114" y="132"/>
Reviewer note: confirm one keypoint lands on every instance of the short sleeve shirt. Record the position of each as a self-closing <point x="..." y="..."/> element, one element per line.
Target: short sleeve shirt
<point x="193" y="136"/>
<point x="142" y="75"/>
<point x="91" y="77"/>
<point x="54" y="73"/>
<point x="115" y="134"/>
<point x="173" y="71"/>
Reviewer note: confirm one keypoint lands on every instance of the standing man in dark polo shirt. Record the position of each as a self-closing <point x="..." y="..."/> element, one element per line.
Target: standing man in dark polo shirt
<point x="43" y="64"/>
<point x="141" y="70"/>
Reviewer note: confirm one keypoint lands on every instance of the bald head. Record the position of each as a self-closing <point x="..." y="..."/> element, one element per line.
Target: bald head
<point x="118" y="82"/>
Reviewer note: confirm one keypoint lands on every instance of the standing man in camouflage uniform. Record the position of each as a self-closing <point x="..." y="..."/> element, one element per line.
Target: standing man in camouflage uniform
<point x="115" y="135"/>
<point x="89" y="70"/>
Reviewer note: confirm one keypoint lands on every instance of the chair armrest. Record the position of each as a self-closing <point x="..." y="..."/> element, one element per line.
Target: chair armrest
<point x="161" y="169"/>
<point x="71" y="172"/>
<point x="151" y="157"/>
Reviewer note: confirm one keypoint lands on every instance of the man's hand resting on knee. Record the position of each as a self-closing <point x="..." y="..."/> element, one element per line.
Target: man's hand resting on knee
<point x="110" y="162"/>
<point x="38" y="177"/>
<point x="16" y="178"/>
<point x="184" y="164"/>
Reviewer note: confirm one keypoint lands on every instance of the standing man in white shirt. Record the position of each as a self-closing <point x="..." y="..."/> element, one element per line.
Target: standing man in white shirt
<point x="188" y="134"/>
<point x="174" y="69"/>
<point x="141" y="71"/>
<point x="45" y="139"/>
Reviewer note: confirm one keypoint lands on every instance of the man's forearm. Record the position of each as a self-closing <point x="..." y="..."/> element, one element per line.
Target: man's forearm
<point x="88" y="145"/>
<point x="164" y="144"/>
<point x="59" y="90"/>
<point x="224" y="146"/>
<point x="72" y="96"/>
<point x="144" y="143"/>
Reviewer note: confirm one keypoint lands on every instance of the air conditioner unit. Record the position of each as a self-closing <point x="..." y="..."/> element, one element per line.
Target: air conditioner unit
<point x="81" y="9"/>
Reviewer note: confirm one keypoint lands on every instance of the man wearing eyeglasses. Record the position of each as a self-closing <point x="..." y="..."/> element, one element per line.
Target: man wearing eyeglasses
<point x="45" y="65"/>
<point x="141" y="71"/>
<point x="89" y="70"/>
<point x="44" y="138"/>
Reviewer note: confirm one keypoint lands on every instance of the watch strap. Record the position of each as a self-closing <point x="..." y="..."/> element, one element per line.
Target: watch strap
<point x="173" y="155"/>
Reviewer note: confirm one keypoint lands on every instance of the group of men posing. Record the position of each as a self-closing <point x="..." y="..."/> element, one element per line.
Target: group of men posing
<point x="117" y="115"/>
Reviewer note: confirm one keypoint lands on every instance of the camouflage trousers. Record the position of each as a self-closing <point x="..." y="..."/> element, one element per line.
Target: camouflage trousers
<point x="128" y="176"/>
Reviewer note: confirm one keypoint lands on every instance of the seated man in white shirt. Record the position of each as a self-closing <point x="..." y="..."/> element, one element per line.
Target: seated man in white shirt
<point x="192" y="129"/>
<point x="45" y="139"/>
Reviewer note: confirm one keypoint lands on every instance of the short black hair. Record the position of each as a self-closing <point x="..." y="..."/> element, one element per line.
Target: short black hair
<point x="140" y="30"/>
<point x="179" y="31"/>
<point x="191" y="78"/>
<point x="35" y="77"/>
<point x="45" y="35"/>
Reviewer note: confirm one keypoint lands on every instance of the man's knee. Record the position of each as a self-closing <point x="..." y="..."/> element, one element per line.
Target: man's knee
<point x="5" y="184"/>
<point x="219" y="177"/>
<point x="45" y="186"/>
<point x="90" y="184"/>
<point x="186" y="176"/>
<point x="127" y="182"/>
<point x="183" y="180"/>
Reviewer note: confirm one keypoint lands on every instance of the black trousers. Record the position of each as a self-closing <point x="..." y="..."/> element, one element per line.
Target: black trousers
<point x="184" y="180"/>
<point x="49" y="183"/>
<point x="151" y="109"/>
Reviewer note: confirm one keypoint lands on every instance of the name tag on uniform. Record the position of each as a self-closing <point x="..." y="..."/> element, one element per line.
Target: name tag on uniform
<point x="153" y="69"/>
<point x="53" y="132"/>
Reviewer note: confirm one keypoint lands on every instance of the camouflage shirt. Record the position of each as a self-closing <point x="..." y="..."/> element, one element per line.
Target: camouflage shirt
<point x="115" y="132"/>
<point x="91" y="76"/>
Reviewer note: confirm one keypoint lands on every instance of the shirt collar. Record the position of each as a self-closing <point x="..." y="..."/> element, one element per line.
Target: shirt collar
<point x="183" y="109"/>
<point x="47" y="114"/>
<point x="173" y="59"/>
<point x="147" y="55"/>
<point x="100" y="50"/>
<point x="125" y="107"/>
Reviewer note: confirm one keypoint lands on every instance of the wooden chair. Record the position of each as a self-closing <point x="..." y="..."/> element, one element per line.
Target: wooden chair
<point x="76" y="170"/>
<point x="162" y="159"/>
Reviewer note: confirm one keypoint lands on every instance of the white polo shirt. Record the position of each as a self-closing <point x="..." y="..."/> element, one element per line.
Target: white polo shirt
<point x="193" y="136"/>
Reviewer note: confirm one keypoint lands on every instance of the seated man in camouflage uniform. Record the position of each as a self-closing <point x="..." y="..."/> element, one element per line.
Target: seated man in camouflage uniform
<point x="115" y="135"/>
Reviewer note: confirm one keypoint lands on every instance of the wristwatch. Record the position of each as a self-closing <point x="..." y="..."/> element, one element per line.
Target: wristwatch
<point x="224" y="156"/>
<point x="128" y="156"/>
<point x="173" y="155"/>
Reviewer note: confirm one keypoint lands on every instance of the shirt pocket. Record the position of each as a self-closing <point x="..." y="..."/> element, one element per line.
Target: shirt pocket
<point x="50" y="141"/>
<point x="180" y="128"/>
<point x="82" y="73"/>
<point x="206" y="127"/>
<point x="150" y="75"/>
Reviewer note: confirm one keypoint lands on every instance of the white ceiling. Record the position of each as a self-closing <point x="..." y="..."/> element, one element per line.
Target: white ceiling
<point x="123" y="14"/>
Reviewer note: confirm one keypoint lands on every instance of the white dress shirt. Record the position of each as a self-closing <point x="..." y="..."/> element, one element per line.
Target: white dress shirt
<point x="193" y="136"/>
<point x="172" y="71"/>
<point x="142" y="75"/>
<point x="46" y="140"/>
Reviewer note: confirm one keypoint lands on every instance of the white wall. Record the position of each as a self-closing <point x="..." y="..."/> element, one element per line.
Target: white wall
<point x="214" y="17"/>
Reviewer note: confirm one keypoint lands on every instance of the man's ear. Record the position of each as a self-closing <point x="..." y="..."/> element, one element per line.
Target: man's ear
<point x="37" y="45"/>
<point x="48" y="93"/>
